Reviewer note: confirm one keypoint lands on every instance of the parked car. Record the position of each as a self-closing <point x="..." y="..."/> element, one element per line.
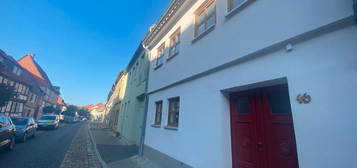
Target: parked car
<point x="48" y="121"/>
<point x="25" y="127"/>
<point x="70" y="119"/>
<point x="7" y="133"/>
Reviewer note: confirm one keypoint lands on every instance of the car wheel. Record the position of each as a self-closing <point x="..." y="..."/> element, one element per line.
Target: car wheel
<point x="24" y="137"/>
<point x="11" y="146"/>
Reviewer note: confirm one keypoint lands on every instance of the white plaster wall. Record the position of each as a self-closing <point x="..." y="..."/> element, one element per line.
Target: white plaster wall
<point x="259" y="25"/>
<point x="326" y="129"/>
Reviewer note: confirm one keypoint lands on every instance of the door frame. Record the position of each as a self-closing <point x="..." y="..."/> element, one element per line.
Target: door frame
<point x="258" y="91"/>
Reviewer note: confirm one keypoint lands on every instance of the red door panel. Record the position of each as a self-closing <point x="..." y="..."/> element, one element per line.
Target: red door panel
<point x="262" y="129"/>
<point x="279" y="129"/>
<point x="243" y="119"/>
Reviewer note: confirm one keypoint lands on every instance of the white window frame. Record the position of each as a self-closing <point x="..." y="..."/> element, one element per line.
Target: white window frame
<point x="160" y="55"/>
<point x="204" y="10"/>
<point x="173" y="50"/>
<point x="231" y="10"/>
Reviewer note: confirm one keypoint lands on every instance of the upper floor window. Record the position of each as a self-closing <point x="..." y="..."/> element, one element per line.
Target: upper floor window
<point x="234" y="4"/>
<point x="158" y="113"/>
<point x="160" y="55"/>
<point x="175" y="43"/>
<point x="174" y="110"/>
<point x="205" y="17"/>
<point x="16" y="70"/>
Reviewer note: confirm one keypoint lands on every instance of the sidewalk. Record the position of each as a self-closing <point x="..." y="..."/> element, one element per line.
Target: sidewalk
<point x="81" y="152"/>
<point x="116" y="153"/>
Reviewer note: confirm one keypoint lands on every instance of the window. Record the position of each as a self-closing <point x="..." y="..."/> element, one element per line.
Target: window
<point x="160" y="55"/>
<point x="16" y="70"/>
<point x="1" y="59"/>
<point x="158" y="113"/>
<point x="8" y="107"/>
<point x="205" y="18"/>
<point x="19" y="88"/>
<point x="174" y="109"/>
<point x="234" y="4"/>
<point x="175" y="43"/>
<point x="242" y="105"/>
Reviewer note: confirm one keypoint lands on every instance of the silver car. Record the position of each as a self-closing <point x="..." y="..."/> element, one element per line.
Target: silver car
<point x="48" y="121"/>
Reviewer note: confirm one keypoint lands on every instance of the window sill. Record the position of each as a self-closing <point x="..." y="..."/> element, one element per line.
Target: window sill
<point x="237" y="9"/>
<point x="170" y="57"/>
<point x="155" y="126"/>
<point x="203" y="34"/>
<point x="158" y="66"/>
<point x="173" y="128"/>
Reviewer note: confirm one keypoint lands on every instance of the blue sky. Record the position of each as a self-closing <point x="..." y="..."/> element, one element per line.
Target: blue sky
<point x="82" y="45"/>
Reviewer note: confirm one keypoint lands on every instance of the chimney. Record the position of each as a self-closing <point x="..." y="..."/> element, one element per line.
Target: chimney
<point x="32" y="55"/>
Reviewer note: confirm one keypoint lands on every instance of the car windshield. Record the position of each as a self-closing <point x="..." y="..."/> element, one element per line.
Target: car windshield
<point x="19" y="121"/>
<point x="48" y="118"/>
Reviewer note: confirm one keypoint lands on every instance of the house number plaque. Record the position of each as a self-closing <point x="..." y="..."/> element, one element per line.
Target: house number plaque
<point x="305" y="98"/>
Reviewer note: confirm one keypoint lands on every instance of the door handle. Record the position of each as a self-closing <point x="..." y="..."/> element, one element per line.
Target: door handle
<point x="260" y="146"/>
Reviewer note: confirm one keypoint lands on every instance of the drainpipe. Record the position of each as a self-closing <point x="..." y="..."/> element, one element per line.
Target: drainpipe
<point x="143" y="128"/>
<point x="355" y="9"/>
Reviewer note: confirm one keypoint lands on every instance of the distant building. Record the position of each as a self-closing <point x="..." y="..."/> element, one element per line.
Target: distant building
<point x="33" y="91"/>
<point x="29" y="94"/>
<point x="61" y="105"/>
<point x="97" y="111"/>
<point x="114" y="101"/>
<point x="133" y="105"/>
<point x="51" y="92"/>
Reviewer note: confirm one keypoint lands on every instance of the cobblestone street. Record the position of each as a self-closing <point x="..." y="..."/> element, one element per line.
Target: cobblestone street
<point x="81" y="153"/>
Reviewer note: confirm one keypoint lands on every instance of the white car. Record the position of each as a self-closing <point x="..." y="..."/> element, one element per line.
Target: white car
<point x="48" y="121"/>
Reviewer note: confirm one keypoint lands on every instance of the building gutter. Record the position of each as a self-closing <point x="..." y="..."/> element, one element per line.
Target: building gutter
<point x="146" y="99"/>
<point x="355" y="9"/>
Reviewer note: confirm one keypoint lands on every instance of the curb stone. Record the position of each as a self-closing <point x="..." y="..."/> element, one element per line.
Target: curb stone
<point x="103" y="164"/>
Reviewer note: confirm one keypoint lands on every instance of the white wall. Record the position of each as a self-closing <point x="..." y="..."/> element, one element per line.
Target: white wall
<point x="325" y="67"/>
<point x="257" y="26"/>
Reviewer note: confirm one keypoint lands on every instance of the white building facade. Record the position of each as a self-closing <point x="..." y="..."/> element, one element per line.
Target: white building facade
<point x="263" y="84"/>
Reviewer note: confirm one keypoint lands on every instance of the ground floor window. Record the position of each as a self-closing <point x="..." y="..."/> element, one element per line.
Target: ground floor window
<point x="173" y="113"/>
<point x="158" y="113"/>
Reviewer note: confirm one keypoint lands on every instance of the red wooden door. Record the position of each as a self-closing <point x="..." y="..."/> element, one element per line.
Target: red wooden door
<point x="262" y="129"/>
<point x="243" y="125"/>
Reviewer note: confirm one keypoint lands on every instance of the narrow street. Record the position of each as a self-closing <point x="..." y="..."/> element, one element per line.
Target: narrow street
<point x="46" y="150"/>
<point x="178" y="84"/>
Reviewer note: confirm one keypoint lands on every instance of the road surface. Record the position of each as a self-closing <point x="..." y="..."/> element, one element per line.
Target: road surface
<point x="46" y="150"/>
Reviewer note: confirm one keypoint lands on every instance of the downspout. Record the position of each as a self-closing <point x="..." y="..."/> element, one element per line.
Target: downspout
<point x="143" y="128"/>
<point x="355" y="9"/>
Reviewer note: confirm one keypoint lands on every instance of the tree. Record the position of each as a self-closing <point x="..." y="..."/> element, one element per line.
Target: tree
<point x="7" y="93"/>
<point x="83" y="112"/>
<point x="49" y="109"/>
<point x="71" y="111"/>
